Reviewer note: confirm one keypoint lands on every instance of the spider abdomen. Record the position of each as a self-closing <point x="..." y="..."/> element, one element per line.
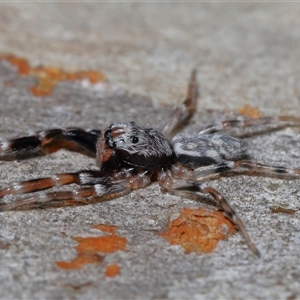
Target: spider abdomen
<point x="207" y="149"/>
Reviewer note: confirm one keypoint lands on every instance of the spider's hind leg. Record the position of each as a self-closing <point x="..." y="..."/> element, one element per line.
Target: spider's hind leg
<point x="33" y="145"/>
<point x="241" y="167"/>
<point x="252" y="168"/>
<point x="279" y="121"/>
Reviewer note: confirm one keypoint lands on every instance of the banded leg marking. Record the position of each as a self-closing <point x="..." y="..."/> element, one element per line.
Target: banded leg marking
<point x="290" y="121"/>
<point x="245" y="167"/>
<point x="29" y="145"/>
<point x="255" y="168"/>
<point x="105" y="190"/>
<point x="40" y="184"/>
<point x="28" y="203"/>
<point x="206" y="172"/>
<point x="167" y="182"/>
<point x="85" y="177"/>
<point x="184" y="110"/>
<point x="231" y="215"/>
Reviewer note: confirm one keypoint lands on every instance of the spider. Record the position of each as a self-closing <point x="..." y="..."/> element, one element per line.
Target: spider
<point x="130" y="156"/>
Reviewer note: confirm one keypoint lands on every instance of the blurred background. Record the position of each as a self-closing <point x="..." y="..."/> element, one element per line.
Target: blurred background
<point x="244" y="52"/>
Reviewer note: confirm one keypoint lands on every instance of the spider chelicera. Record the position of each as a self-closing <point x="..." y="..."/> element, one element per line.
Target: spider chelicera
<point x="130" y="156"/>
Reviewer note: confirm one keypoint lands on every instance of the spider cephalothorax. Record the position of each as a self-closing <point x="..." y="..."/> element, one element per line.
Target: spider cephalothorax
<point x="130" y="156"/>
<point x="130" y="144"/>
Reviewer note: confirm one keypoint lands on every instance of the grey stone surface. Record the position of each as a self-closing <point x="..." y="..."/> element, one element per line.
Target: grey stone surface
<point x="245" y="53"/>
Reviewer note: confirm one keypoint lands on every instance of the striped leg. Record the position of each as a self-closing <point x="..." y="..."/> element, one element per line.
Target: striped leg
<point x="86" y="177"/>
<point x="230" y="214"/>
<point x="100" y="191"/>
<point x="277" y="120"/>
<point x="245" y="167"/>
<point x="27" y="146"/>
<point x="178" y="186"/>
<point x="212" y="171"/>
<point x="184" y="110"/>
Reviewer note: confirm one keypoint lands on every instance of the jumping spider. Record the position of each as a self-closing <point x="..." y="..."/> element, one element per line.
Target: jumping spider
<point x="130" y="156"/>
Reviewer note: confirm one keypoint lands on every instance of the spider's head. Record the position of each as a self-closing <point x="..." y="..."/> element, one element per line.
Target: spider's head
<point x="130" y="144"/>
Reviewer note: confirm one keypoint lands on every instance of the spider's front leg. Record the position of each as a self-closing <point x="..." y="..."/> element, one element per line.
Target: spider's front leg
<point x="33" y="145"/>
<point x="167" y="182"/>
<point x="84" y="177"/>
<point x="98" y="187"/>
<point x="184" y="110"/>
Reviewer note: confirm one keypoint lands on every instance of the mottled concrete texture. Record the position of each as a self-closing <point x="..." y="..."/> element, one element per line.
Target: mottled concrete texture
<point x="245" y="53"/>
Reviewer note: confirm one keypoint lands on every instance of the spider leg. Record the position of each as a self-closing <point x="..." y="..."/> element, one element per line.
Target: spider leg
<point x="167" y="182"/>
<point x="246" y="167"/>
<point x="230" y="214"/>
<point x="256" y="169"/>
<point x="277" y="120"/>
<point x="184" y="110"/>
<point x="26" y="146"/>
<point x="29" y="202"/>
<point x="84" y="177"/>
<point x="100" y="191"/>
<point x="212" y="171"/>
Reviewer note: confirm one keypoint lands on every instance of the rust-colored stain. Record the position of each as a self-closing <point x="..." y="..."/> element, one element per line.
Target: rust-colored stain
<point x="283" y="210"/>
<point x="112" y="270"/>
<point x="88" y="248"/>
<point x="48" y="77"/>
<point x="198" y="230"/>
<point x="250" y="111"/>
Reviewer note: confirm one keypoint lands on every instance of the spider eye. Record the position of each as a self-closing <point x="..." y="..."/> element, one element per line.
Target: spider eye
<point x="134" y="139"/>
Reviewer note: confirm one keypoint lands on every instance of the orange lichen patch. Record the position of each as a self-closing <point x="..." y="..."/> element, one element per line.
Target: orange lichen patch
<point x="88" y="248"/>
<point x="21" y="63"/>
<point x="250" y="111"/>
<point x="48" y="77"/>
<point x="82" y="259"/>
<point x="112" y="270"/>
<point x="106" y="244"/>
<point x="92" y="75"/>
<point x="106" y="228"/>
<point x="283" y="210"/>
<point x="198" y="230"/>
